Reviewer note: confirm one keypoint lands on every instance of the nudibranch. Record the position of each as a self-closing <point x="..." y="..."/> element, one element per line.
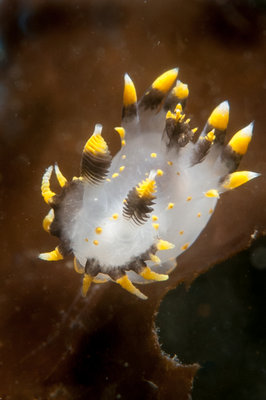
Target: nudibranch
<point x="127" y="219"/>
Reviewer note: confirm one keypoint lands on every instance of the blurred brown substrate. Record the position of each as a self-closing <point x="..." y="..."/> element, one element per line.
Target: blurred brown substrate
<point x="61" y="69"/>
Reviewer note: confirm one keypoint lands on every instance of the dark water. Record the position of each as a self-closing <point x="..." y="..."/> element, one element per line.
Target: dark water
<point x="220" y="323"/>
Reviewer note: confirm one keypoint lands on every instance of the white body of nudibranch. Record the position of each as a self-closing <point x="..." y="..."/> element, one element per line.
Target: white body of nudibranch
<point x="129" y="218"/>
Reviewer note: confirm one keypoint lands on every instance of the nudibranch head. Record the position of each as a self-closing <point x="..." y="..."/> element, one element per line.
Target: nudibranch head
<point x="127" y="219"/>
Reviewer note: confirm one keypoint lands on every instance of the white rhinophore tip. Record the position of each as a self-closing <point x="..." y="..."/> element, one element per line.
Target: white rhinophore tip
<point x="152" y="175"/>
<point x="98" y="129"/>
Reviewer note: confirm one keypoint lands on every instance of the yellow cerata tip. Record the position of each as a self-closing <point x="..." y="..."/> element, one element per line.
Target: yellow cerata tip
<point x="146" y="188"/>
<point x="220" y="116"/>
<point x="240" y="141"/>
<point x="180" y="90"/>
<point x="238" y="178"/>
<point x="130" y="95"/>
<point x="148" y="274"/>
<point x="165" y="81"/>
<point x="169" y="115"/>
<point x="126" y="284"/>
<point x="87" y="279"/>
<point x="96" y="143"/>
<point x="54" y="255"/>
<point x="48" y="220"/>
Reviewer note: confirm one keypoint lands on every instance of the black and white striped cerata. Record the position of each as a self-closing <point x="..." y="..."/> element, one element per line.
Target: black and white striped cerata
<point x="127" y="219"/>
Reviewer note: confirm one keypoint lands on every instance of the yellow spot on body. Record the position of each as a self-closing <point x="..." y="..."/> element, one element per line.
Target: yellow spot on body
<point x="96" y="242"/>
<point x="212" y="193"/>
<point x="98" y="230"/>
<point x="122" y="168"/>
<point x="189" y="198"/>
<point x="169" y="162"/>
<point x="185" y="246"/>
<point x="86" y="239"/>
<point x="155" y="226"/>
<point x="170" y="206"/>
<point x="154" y="218"/>
<point x="210" y="211"/>
<point x="159" y="172"/>
<point x="187" y="121"/>
<point x="123" y="142"/>
<point x="108" y="180"/>
<point x="115" y="175"/>
<point x="181" y="232"/>
<point x="199" y="215"/>
<point x="153" y="155"/>
<point x="146" y="188"/>
<point x="124" y="157"/>
<point x="220" y="116"/>
<point x="164" y="82"/>
<point x="126" y="284"/>
<point x="164" y="245"/>
<point x="194" y="130"/>
<point x="115" y="216"/>
<point x="147" y="273"/>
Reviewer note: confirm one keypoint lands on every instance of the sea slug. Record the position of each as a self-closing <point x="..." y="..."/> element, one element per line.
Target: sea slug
<point x="127" y="219"/>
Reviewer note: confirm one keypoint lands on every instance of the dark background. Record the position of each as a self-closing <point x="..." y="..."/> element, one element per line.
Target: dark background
<point x="61" y="71"/>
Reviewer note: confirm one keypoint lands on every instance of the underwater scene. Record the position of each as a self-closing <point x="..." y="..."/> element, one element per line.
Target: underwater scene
<point x="133" y="200"/>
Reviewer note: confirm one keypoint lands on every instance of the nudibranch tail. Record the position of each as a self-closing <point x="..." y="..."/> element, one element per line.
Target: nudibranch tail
<point x="127" y="219"/>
